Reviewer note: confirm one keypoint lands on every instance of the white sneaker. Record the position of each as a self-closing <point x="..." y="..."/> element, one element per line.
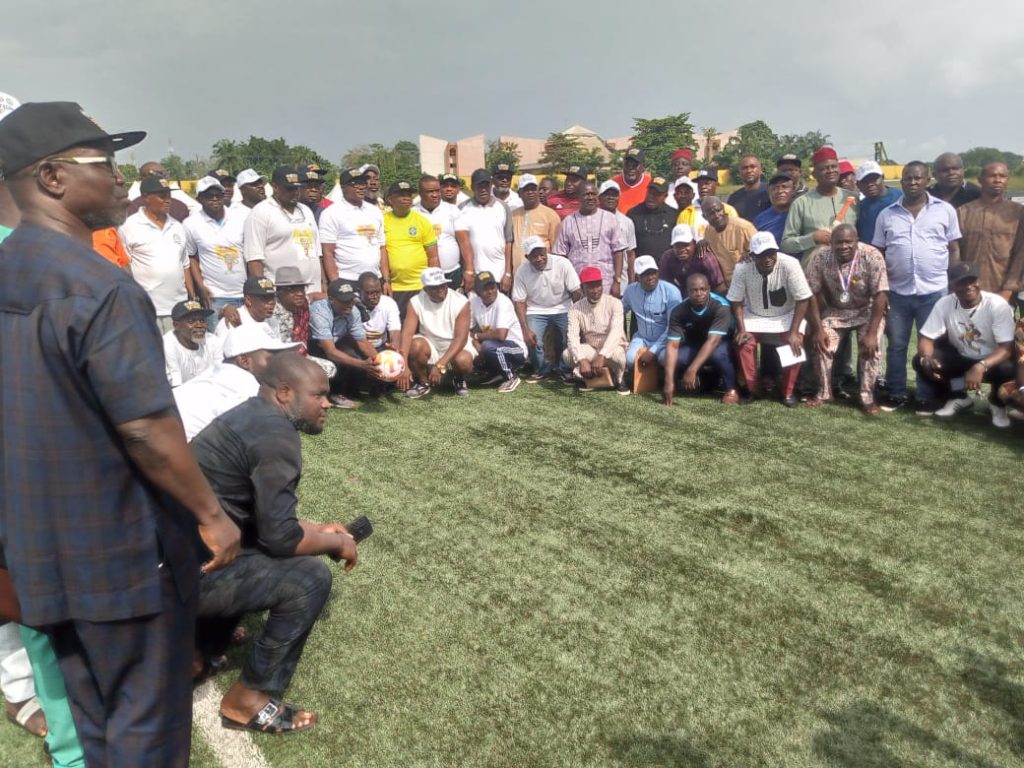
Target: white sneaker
<point x="955" y="406"/>
<point x="1000" y="418"/>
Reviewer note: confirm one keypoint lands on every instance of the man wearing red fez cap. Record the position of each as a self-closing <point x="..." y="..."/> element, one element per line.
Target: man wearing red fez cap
<point x="848" y="176"/>
<point x="597" y="337"/>
<point x="682" y="164"/>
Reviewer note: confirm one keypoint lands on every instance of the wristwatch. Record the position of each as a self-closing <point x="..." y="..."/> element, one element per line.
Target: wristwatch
<point x="442" y="369"/>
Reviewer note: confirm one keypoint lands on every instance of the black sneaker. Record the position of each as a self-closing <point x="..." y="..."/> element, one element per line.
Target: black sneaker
<point x="890" y="404"/>
<point x="536" y="378"/>
<point x="624" y="387"/>
<point x="925" y="407"/>
<point x="791" y="402"/>
<point x="461" y="388"/>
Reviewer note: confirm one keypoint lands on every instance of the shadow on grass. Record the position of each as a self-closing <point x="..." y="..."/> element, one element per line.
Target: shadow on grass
<point x="975" y="425"/>
<point x="865" y="735"/>
<point x="989" y="679"/>
<point x="645" y="749"/>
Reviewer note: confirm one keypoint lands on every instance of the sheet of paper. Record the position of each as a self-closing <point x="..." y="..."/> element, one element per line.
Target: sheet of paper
<point x="787" y="358"/>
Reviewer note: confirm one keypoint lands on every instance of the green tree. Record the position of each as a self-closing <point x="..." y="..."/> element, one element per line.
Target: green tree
<point x="129" y="171"/>
<point x="659" y="137"/>
<point x="976" y="158"/>
<point x="754" y="138"/>
<point x="803" y="145"/>
<point x="175" y="166"/>
<point x="502" y="152"/>
<point x="264" y="155"/>
<point x="398" y="163"/>
<point x="562" y="150"/>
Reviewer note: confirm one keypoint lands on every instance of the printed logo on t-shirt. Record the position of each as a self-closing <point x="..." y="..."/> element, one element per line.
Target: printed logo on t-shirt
<point x="368" y="231"/>
<point x="412" y="231"/>
<point x="228" y="254"/>
<point x="969" y="335"/>
<point x="303" y="237"/>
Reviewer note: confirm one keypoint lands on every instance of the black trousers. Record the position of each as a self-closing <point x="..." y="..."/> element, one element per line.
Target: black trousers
<point x="129" y="684"/>
<point x="293" y="589"/>
<point x="953" y="365"/>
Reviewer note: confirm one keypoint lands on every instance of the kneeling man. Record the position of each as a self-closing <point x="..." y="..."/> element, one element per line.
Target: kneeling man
<point x="252" y="457"/>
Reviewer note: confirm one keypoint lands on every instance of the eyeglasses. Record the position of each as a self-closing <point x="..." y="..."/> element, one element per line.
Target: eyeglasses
<point x="109" y="161"/>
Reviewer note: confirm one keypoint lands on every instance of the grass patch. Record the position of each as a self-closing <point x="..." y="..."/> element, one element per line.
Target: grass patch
<point x="566" y="580"/>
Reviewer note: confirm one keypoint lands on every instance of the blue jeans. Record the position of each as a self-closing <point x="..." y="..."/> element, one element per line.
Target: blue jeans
<point x="219" y="302"/>
<point x="904" y="313"/>
<point x="720" y="360"/>
<point x="539" y="324"/>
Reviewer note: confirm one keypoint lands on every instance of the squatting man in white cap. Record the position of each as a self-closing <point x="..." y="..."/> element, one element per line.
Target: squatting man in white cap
<point x="435" y="338"/>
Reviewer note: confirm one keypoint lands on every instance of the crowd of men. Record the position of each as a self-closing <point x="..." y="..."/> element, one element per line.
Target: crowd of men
<point x="161" y="356"/>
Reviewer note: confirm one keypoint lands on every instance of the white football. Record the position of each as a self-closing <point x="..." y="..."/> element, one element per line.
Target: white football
<point x="391" y="364"/>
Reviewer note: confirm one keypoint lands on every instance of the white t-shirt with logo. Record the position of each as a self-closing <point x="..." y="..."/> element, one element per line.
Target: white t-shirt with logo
<point x="218" y="247"/>
<point x="183" y="364"/>
<point x="490" y="228"/>
<point x="500" y="314"/>
<point x="974" y="332"/>
<point x="444" y="218"/>
<point x="158" y="260"/>
<point x="280" y="238"/>
<point x="383" y="318"/>
<point x="357" y="234"/>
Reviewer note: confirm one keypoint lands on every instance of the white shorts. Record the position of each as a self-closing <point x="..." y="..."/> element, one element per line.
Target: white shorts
<point x="435" y="352"/>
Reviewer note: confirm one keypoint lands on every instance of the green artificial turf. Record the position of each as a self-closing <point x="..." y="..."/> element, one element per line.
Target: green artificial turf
<point x="591" y="580"/>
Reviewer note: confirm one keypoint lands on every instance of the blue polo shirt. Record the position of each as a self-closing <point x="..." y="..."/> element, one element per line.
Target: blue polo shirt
<point x="324" y="325"/>
<point x="772" y="221"/>
<point x="867" y="213"/>
<point x="652" y="309"/>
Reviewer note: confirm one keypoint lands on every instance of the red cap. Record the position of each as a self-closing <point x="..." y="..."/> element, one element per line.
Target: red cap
<point x="591" y="275"/>
<point x="688" y="154"/>
<point x="825" y="153"/>
<point x="845" y="167"/>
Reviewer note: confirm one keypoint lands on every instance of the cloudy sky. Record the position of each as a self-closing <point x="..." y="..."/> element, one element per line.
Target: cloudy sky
<point x="922" y="76"/>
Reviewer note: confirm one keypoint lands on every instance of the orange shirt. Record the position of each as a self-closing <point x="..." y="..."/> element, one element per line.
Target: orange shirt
<point x="108" y="245"/>
<point x="631" y="197"/>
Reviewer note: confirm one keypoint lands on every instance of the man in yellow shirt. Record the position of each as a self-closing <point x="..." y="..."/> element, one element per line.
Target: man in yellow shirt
<point x="410" y="245"/>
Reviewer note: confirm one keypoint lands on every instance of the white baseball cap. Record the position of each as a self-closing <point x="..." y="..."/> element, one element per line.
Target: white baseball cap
<point x="531" y="244"/>
<point x="866" y="169"/>
<point x="609" y="185"/>
<point x="761" y="242"/>
<point x="248" y="176"/>
<point x="433" y="277"/>
<point x="526" y="180"/>
<point x="644" y="264"/>
<point x="682" y="233"/>
<point x="7" y="104"/>
<point x="208" y="182"/>
<point x="250" y="337"/>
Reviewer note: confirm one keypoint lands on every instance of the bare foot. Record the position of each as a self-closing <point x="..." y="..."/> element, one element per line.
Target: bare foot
<point x="27" y="715"/>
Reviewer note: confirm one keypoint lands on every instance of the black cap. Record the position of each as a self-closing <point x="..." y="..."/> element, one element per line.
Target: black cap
<point x="962" y="271"/>
<point x="634" y="153"/>
<point x="183" y="309"/>
<point x="504" y="169"/>
<point x="222" y="175"/>
<point x="152" y="184"/>
<point x="400" y="188"/>
<point x="40" y="129"/>
<point x="352" y="175"/>
<point x="341" y="290"/>
<point x="659" y="184"/>
<point x="258" y="286"/>
<point x="312" y="172"/>
<point x="480" y="176"/>
<point x="788" y="158"/>
<point x="286" y="174"/>
<point x="709" y="172"/>
<point x="577" y="170"/>
<point x="777" y="177"/>
<point x="450" y="178"/>
<point x="485" y="278"/>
